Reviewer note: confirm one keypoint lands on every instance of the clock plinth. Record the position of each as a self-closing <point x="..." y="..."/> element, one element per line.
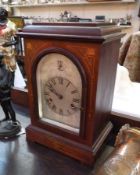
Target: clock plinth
<point x="82" y="152"/>
<point x="71" y="75"/>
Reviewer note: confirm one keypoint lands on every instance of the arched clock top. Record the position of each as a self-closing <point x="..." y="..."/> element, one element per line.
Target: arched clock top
<point x="80" y="66"/>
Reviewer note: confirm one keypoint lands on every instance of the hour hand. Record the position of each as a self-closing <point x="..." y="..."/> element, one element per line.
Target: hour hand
<point x="56" y="93"/>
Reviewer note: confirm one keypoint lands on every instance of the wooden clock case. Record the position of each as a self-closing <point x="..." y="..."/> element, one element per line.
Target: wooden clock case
<point x="94" y="50"/>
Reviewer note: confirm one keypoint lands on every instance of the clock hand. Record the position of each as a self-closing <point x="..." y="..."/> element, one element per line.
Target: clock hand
<point x="56" y="93"/>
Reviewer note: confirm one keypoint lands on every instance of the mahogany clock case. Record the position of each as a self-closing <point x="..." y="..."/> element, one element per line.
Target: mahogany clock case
<point x="93" y="51"/>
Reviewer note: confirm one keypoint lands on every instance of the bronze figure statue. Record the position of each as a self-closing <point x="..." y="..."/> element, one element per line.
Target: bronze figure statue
<point x="125" y="159"/>
<point x="7" y="69"/>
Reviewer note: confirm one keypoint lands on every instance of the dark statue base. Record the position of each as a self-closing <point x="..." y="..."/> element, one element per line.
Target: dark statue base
<point x="8" y="129"/>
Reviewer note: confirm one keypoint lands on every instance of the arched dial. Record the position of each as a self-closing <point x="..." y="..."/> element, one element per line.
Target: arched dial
<point x="62" y="96"/>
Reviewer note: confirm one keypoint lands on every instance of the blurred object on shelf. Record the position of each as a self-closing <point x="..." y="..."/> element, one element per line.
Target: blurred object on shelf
<point x="65" y="16"/>
<point x="76" y="19"/>
<point x="122" y="21"/>
<point x="125" y="21"/>
<point x="100" y="18"/>
<point x="28" y="21"/>
<point x="114" y="20"/>
<point x="68" y="17"/>
<point x="101" y="0"/>
<point x="128" y="19"/>
<point x="85" y="20"/>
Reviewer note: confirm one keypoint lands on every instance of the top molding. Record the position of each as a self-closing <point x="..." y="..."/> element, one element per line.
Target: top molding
<point x="72" y="3"/>
<point x="90" y="32"/>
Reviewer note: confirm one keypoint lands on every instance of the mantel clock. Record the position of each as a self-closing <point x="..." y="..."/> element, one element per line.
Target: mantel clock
<point x="71" y="75"/>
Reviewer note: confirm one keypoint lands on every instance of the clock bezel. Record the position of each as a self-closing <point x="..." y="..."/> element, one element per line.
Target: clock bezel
<point x="36" y="119"/>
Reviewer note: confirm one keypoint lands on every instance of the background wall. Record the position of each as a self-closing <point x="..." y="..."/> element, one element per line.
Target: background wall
<point x="110" y="10"/>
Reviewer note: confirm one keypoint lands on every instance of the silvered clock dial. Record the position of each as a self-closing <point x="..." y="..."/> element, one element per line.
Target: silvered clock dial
<point x="60" y="91"/>
<point x="62" y="96"/>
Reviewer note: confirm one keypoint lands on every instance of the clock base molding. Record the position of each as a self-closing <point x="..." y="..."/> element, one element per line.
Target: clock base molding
<point x="86" y="154"/>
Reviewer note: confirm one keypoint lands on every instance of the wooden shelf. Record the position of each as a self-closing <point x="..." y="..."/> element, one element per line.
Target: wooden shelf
<point x="72" y="3"/>
<point x="125" y="26"/>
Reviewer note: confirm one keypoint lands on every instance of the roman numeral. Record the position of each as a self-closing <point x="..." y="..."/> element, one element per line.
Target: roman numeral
<point x="53" y="81"/>
<point x="73" y="107"/>
<point x="54" y="107"/>
<point x="49" y="101"/>
<point x="74" y="91"/>
<point x="60" y="111"/>
<point x="49" y="85"/>
<point x="68" y="84"/>
<point x="76" y="100"/>
<point x="60" y="80"/>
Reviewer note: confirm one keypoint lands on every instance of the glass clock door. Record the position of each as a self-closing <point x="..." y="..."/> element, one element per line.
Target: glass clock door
<point x="59" y="87"/>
